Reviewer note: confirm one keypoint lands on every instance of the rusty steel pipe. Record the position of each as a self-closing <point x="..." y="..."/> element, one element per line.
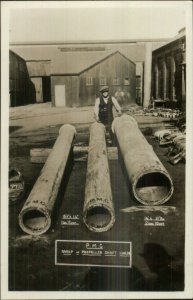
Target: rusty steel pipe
<point x="151" y="183"/>
<point x="98" y="210"/>
<point x="35" y="216"/>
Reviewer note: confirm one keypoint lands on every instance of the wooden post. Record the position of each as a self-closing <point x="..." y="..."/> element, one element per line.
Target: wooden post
<point x="173" y="69"/>
<point x="147" y="75"/>
<point x="35" y="216"/>
<point x="164" y="79"/>
<point x="98" y="211"/>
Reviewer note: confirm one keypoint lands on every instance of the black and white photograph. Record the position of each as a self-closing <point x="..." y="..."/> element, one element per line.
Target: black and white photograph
<point x="96" y="150"/>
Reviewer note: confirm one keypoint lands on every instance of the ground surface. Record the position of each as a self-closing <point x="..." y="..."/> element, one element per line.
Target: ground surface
<point x="31" y="260"/>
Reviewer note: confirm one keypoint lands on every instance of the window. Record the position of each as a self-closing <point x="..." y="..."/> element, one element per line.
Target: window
<point x="103" y="81"/>
<point x="89" y="81"/>
<point x="126" y="81"/>
<point x="116" y="81"/>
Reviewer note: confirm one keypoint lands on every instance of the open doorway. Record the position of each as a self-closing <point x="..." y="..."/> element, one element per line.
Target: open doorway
<point x="46" y="87"/>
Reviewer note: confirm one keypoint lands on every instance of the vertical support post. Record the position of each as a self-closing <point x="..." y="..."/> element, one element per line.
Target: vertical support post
<point x="156" y="81"/>
<point x="164" y="79"/>
<point x="183" y="88"/>
<point x="147" y="74"/>
<point x="183" y="78"/>
<point x="173" y="69"/>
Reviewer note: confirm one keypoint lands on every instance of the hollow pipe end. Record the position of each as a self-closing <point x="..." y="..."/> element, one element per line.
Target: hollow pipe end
<point x="156" y="194"/>
<point x="34" y="222"/>
<point x="99" y="218"/>
<point x="69" y="126"/>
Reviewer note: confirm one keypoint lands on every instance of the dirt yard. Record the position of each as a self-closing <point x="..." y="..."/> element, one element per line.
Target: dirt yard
<point x="31" y="259"/>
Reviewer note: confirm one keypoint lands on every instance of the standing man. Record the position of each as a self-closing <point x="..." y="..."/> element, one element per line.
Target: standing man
<point x="103" y="109"/>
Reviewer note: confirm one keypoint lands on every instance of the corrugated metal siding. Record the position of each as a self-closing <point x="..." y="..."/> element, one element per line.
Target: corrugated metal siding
<point x="21" y="89"/>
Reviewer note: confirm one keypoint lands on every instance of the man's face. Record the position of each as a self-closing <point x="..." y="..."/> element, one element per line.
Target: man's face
<point x="105" y="94"/>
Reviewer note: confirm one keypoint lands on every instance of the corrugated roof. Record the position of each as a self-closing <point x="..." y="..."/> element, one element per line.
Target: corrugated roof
<point x="35" y="53"/>
<point x="72" y="62"/>
<point x="175" y="38"/>
<point x="135" y="52"/>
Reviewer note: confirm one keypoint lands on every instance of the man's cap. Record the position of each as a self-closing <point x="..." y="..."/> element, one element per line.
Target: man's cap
<point x="104" y="89"/>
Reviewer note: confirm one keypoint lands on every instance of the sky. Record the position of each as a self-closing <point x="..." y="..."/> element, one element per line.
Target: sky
<point x="95" y="23"/>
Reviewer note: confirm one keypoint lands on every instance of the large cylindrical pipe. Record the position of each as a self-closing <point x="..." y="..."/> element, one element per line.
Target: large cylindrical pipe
<point x="35" y="216"/>
<point x="98" y="210"/>
<point x="151" y="183"/>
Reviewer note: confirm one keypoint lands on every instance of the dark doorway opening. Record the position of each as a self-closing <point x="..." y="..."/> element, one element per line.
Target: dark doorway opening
<point x="46" y="86"/>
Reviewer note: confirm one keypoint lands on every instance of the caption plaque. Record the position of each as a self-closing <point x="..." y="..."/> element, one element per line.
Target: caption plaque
<point x="93" y="253"/>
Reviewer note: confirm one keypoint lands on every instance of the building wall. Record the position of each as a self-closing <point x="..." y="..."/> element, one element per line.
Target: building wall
<point x="116" y="71"/>
<point x="168" y="73"/>
<point x="37" y="81"/>
<point x="21" y="89"/>
<point x="39" y="57"/>
<point x="38" y="71"/>
<point x="38" y="68"/>
<point x="139" y="82"/>
<point x="71" y="86"/>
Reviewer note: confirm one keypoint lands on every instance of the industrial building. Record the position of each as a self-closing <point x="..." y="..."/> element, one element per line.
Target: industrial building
<point x="138" y="180"/>
<point x="80" y="85"/>
<point x="169" y="72"/>
<point x="71" y="73"/>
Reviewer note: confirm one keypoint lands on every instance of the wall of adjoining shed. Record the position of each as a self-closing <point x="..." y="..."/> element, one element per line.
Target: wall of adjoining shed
<point x="71" y="84"/>
<point x="37" y="81"/>
<point x="116" y="66"/>
<point x="21" y="88"/>
<point x="38" y="68"/>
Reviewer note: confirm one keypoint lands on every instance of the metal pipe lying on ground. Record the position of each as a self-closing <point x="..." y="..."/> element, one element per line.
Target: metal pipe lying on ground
<point x="35" y="216"/>
<point x="151" y="183"/>
<point x="98" y="210"/>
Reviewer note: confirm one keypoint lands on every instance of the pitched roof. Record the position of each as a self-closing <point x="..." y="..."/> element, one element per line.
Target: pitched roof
<point x="35" y="53"/>
<point x="76" y="63"/>
<point x="135" y="52"/>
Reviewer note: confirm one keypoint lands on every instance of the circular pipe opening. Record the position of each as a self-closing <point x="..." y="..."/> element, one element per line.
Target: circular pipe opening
<point x="153" y="188"/>
<point x="34" y="222"/>
<point x="99" y="219"/>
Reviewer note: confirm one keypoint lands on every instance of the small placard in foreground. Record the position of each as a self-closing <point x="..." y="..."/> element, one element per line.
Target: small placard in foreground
<point x="93" y="253"/>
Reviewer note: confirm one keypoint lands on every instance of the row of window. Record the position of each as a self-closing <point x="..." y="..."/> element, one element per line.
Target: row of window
<point x="103" y="81"/>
